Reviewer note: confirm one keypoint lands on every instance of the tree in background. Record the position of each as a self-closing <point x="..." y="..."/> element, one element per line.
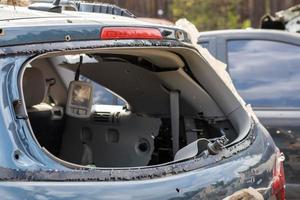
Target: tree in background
<point x="210" y="14"/>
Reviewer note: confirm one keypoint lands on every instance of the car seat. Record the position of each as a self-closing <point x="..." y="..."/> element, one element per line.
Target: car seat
<point x="46" y="120"/>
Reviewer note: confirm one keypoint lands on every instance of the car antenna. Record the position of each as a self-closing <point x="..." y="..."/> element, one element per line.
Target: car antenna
<point x="56" y="2"/>
<point x="77" y="74"/>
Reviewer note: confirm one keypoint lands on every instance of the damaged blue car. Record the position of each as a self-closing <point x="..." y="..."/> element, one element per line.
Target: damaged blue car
<point x="179" y="129"/>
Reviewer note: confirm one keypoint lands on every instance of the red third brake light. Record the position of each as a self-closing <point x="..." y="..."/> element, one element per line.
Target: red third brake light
<point x="117" y="33"/>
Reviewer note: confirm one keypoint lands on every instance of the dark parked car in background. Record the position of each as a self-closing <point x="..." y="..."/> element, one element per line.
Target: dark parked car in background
<point x="181" y="131"/>
<point x="265" y="68"/>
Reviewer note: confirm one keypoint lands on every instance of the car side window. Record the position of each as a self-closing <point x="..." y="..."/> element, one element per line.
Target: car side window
<point x="266" y="73"/>
<point x="102" y="95"/>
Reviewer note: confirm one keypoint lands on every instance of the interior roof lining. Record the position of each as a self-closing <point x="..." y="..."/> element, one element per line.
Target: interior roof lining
<point x="164" y="59"/>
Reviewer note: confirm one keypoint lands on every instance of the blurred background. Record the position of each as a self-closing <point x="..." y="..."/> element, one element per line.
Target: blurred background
<point x="205" y="14"/>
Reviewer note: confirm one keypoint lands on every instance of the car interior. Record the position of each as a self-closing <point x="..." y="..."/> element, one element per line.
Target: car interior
<point x="160" y="109"/>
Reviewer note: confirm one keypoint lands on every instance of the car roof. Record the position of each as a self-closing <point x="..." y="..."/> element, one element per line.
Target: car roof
<point x="249" y="31"/>
<point x="15" y="13"/>
<point x="20" y="25"/>
<point x="11" y="15"/>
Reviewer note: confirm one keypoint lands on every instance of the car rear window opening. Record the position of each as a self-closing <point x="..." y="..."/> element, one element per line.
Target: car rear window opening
<point x="119" y="109"/>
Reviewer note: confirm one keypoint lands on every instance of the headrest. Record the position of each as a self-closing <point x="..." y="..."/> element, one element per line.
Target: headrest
<point x="34" y="86"/>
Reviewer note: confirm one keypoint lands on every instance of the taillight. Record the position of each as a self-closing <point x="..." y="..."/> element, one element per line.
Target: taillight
<point x="111" y="33"/>
<point x="278" y="186"/>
